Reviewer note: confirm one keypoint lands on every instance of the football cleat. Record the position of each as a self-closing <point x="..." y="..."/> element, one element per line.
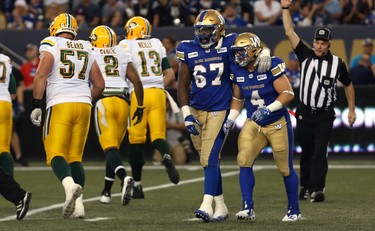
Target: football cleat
<point x="138" y="192"/>
<point x="105" y="198"/>
<point x="292" y="216"/>
<point x="246" y="214"/>
<point x="204" y="212"/>
<point x="127" y="190"/>
<point x="304" y="194"/>
<point x="173" y="175"/>
<point x="221" y="213"/>
<point x="23" y="206"/>
<point x="70" y="202"/>
<point x="317" y="196"/>
<point x="79" y="211"/>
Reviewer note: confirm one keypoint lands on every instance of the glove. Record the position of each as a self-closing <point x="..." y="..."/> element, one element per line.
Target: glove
<point x="138" y="114"/>
<point x="263" y="60"/>
<point x="36" y="112"/>
<point x="227" y="126"/>
<point x="261" y="114"/>
<point x="190" y="122"/>
<point x="36" y="116"/>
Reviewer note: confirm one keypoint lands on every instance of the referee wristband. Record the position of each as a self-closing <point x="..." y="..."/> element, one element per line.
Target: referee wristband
<point x="285" y="8"/>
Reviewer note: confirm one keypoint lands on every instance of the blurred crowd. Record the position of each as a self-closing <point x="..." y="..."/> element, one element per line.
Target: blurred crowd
<point x="37" y="14"/>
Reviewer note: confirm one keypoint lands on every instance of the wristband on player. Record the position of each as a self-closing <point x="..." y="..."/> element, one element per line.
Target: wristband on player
<point x="185" y="111"/>
<point x="276" y="105"/>
<point x="36" y="103"/>
<point x="233" y="114"/>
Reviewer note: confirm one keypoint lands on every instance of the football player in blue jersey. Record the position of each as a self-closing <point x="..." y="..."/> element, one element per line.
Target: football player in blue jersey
<point x="268" y="121"/>
<point x="204" y="91"/>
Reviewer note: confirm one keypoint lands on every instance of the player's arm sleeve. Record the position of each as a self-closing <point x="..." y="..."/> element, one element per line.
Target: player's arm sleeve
<point x="12" y="85"/>
<point x="165" y="64"/>
<point x="47" y="44"/>
<point x="277" y="67"/>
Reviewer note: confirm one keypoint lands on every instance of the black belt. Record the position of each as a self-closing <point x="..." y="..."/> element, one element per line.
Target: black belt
<point x="314" y="111"/>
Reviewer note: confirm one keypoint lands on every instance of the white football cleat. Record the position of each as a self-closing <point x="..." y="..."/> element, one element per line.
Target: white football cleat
<point x="246" y="214"/>
<point x="221" y="213"/>
<point x="79" y="211"/>
<point x="105" y="198"/>
<point x="127" y="190"/>
<point x="292" y="217"/>
<point x="205" y="213"/>
<point x="70" y="203"/>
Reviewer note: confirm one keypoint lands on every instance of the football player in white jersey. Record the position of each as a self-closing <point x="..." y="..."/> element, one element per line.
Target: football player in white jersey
<point x="151" y="62"/>
<point x="66" y="68"/>
<point x="112" y="110"/>
<point x="9" y="188"/>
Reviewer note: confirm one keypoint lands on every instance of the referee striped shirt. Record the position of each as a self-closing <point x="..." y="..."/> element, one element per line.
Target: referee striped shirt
<point x="319" y="77"/>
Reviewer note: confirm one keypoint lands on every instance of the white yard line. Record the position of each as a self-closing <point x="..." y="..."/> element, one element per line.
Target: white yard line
<point x="162" y="186"/>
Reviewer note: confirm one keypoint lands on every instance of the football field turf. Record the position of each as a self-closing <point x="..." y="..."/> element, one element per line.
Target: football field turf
<point x="349" y="205"/>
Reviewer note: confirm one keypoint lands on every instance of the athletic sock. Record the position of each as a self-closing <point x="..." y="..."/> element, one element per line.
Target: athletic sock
<point x="136" y="160"/>
<point x="60" y="167"/>
<point x="7" y="163"/>
<point x="162" y="146"/>
<point x="78" y="173"/>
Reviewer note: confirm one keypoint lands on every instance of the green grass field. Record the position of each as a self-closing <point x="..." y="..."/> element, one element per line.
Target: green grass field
<point x="349" y="204"/>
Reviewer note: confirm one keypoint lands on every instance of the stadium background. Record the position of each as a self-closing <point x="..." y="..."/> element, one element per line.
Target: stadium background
<point x="346" y="43"/>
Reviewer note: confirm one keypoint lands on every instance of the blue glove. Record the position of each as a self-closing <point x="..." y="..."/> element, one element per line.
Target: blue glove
<point x="190" y="122"/>
<point x="227" y="126"/>
<point x="261" y="114"/>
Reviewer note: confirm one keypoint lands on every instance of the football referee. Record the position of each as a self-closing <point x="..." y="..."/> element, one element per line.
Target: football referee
<point x="320" y="71"/>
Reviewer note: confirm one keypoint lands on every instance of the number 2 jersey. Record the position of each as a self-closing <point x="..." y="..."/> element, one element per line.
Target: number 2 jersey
<point x="148" y="57"/>
<point x="211" y="87"/>
<point x="258" y="90"/>
<point x="68" y="80"/>
<point x="113" y="62"/>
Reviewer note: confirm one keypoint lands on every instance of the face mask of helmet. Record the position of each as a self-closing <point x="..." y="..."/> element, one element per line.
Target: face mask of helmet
<point x="207" y="35"/>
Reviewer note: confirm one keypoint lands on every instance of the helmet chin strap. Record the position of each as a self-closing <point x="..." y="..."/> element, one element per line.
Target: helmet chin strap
<point x="219" y="44"/>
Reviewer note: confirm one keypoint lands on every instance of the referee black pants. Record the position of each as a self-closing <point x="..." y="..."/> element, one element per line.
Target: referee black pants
<point x="10" y="189"/>
<point x="314" y="130"/>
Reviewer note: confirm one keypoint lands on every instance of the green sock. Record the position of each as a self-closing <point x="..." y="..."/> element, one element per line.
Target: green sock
<point x="7" y="163"/>
<point x="60" y="167"/>
<point x="114" y="159"/>
<point x="161" y="145"/>
<point x="136" y="160"/>
<point x="78" y="173"/>
<point x="109" y="177"/>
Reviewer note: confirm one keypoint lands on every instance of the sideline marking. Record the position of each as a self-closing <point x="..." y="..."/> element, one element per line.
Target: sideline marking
<point x="162" y="186"/>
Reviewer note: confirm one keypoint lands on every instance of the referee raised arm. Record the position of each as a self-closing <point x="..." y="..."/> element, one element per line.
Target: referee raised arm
<point x="320" y="71"/>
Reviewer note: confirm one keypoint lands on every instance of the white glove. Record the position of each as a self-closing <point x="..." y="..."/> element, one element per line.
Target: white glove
<point x="263" y="60"/>
<point x="36" y="116"/>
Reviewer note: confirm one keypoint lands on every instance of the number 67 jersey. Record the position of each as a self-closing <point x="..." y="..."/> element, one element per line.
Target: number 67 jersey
<point x="68" y="80"/>
<point x="211" y="87"/>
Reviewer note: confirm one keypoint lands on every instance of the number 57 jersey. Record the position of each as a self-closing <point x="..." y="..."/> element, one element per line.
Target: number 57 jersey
<point x="68" y="80"/>
<point x="211" y="87"/>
